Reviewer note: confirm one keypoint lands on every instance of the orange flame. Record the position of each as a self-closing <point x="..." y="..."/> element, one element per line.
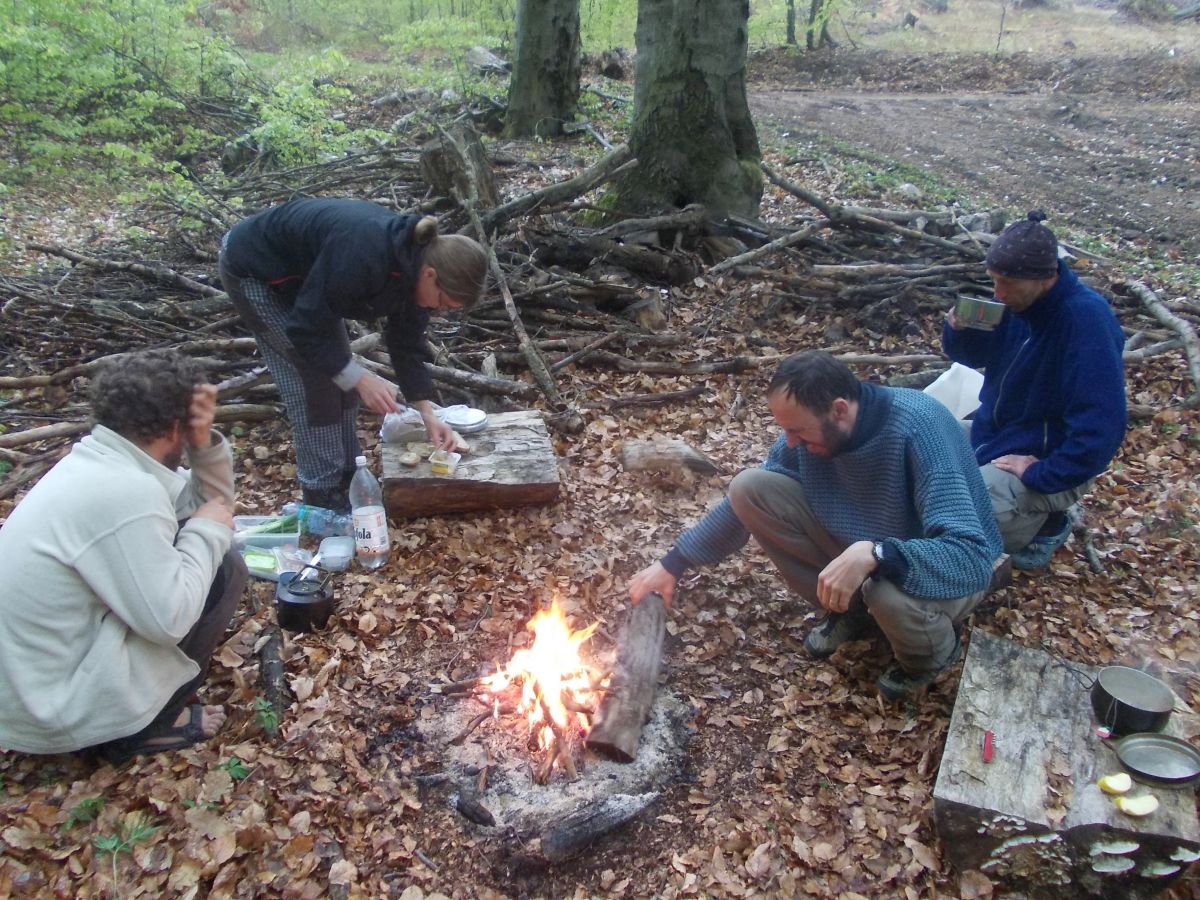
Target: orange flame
<point x="549" y="671"/>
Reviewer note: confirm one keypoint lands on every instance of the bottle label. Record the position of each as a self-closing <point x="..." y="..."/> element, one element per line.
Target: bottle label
<point x="370" y="530"/>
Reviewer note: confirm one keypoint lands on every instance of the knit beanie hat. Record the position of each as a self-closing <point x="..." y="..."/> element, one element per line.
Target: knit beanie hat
<point x="1025" y="249"/>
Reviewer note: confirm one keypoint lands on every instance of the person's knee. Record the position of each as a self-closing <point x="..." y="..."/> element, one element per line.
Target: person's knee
<point x="748" y="488"/>
<point x="232" y="577"/>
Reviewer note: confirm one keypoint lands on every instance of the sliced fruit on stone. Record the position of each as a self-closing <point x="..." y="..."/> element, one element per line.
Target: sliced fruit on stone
<point x="1137" y="806"/>
<point x="1115" y="784"/>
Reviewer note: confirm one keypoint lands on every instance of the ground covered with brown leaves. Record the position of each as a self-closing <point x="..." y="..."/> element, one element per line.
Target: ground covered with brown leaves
<point x="797" y="779"/>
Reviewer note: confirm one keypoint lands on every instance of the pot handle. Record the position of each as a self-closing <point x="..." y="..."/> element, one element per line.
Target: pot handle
<point x="1082" y="678"/>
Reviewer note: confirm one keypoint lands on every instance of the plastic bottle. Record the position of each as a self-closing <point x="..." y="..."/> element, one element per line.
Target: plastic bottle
<point x="319" y="521"/>
<point x="371" y="542"/>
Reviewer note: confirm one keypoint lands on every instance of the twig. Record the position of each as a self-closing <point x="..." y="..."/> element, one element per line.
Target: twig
<point x="475" y="722"/>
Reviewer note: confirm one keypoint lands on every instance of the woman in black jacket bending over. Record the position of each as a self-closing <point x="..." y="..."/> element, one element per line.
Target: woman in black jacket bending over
<point x="296" y="271"/>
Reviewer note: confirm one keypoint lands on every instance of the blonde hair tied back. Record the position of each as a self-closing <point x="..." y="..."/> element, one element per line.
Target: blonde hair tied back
<point x="425" y="230"/>
<point x="459" y="261"/>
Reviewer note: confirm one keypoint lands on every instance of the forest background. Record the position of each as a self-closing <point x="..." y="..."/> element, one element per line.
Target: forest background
<point x="116" y="118"/>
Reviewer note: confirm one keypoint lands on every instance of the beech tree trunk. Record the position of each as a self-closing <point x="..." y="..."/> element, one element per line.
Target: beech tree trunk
<point x="545" y="82"/>
<point x="692" y="133"/>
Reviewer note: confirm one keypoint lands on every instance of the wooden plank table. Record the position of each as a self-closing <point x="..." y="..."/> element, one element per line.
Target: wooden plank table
<point x="1033" y="818"/>
<point x="511" y="463"/>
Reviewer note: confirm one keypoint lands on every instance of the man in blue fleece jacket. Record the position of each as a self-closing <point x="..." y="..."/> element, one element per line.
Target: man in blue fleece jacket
<point x="871" y="505"/>
<point x="1052" y="406"/>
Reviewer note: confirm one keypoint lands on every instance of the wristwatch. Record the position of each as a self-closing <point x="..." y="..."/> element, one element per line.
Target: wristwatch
<point x="877" y="552"/>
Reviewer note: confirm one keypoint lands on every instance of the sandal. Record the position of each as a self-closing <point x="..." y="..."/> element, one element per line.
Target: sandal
<point x="171" y="737"/>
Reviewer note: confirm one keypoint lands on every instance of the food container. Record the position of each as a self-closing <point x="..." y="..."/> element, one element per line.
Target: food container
<point x="303" y="605"/>
<point x="247" y="533"/>
<point x="1128" y="700"/>
<point x="443" y="462"/>
<point x="975" y="312"/>
<point x="260" y="563"/>
<point x="336" y="553"/>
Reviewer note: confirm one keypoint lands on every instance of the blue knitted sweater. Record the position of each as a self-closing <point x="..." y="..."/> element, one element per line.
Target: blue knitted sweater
<point x="908" y="478"/>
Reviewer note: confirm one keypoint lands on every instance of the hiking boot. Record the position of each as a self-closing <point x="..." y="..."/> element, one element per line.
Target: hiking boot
<point x="1038" y="552"/>
<point x="834" y="630"/>
<point x="895" y="683"/>
<point x="1001" y="575"/>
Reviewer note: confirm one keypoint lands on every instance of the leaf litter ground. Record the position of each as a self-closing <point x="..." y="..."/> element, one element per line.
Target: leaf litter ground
<point x="796" y="778"/>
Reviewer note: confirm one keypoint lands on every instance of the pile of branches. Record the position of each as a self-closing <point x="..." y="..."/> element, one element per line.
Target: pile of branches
<point x="568" y="294"/>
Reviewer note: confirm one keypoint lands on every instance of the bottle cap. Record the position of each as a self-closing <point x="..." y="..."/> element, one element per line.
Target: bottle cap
<point x="360" y="461"/>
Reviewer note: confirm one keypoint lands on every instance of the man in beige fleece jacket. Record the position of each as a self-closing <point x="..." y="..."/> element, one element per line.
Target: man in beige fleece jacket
<point x="117" y="576"/>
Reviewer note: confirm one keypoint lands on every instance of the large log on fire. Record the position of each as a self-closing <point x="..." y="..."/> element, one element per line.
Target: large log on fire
<point x="626" y="706"/>
<point x="511" y="463"/>
<point x="1032" y="816"/>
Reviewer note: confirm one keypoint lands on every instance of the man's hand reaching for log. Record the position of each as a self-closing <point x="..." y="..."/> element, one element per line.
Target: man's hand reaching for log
<point x="652" y="580"/>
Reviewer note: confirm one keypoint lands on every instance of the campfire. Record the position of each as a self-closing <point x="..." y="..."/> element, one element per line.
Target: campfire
<point x="549" y="687"/>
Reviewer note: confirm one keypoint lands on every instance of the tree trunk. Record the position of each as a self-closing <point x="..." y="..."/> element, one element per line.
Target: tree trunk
<point x="692" y="133"/>
<point x="545" y="81"/>
<point x="791" y="23"/>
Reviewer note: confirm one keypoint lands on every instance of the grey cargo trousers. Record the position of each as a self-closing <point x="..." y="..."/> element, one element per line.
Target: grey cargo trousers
<point x="774" y="509"/>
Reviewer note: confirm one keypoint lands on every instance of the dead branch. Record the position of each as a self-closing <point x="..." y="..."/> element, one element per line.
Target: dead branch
<point x="230" y="412"/>
<point x="475" y="722"/>
<point x="648" y="399"/>
<point x="607" y="167"/>
<point x="691" y="216"/>
<point x="765" y="249"/>
<point x="224" y="345"/>
<point x="271" y="673"/>
<point x="564" y="418"/>
<point x="843" y="215"/>
<point x="161" y="274"/>
<point x="584" y="352"/>
<point x="1186" y="333"/>
<point x="665" y="456"/>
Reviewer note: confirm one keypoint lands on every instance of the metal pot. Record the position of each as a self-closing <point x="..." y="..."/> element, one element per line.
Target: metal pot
<point x="1128" y="701"/>
<point x="303" y="605"/>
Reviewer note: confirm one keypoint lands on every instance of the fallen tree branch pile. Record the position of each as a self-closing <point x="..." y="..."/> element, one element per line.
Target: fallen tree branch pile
<point x="574" y="295"/>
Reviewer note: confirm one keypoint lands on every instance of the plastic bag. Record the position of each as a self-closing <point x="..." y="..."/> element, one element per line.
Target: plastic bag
<point x="958" y="390"/>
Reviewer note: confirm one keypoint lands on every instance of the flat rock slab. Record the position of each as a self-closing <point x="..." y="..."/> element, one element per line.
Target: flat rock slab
<point x="1033" y="819"/>
<point x="511" y="463"/>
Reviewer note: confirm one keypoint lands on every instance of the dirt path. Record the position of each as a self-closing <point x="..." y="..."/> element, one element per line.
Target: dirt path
<point x="1117" y="157"/>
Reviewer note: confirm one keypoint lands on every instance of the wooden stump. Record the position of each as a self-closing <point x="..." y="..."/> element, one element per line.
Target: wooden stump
<point x="623" y="712"/>
<point x="1033" y="818"/>
<point x="511" y="463"/>
<point x="455" y="162"/>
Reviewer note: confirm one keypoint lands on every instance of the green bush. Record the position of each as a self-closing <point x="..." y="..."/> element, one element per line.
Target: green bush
<point x="81" y="81"/>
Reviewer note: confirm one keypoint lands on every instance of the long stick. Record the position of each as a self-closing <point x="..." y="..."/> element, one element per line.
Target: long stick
<point x="603" y="170"/>
<point x="1186" y="333"/>
<point x="778" y="244"/>
<point x="564" y="417"/>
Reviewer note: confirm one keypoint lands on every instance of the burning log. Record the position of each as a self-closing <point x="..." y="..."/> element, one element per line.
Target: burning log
<point x="623" y="712"/>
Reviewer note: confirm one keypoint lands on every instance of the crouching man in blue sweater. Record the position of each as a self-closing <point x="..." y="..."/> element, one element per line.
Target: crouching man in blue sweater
<point x="1052" y="406"/>
<point x="871" y="505"/>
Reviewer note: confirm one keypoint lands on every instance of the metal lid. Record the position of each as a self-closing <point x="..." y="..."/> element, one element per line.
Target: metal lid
<point x="1159" y="758"/>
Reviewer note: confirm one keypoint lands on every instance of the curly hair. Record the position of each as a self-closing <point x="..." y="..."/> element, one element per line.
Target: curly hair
<point x="143" y="395"/>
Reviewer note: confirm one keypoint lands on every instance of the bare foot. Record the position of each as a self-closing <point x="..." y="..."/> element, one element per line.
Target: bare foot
<point x="211" y="719"/>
